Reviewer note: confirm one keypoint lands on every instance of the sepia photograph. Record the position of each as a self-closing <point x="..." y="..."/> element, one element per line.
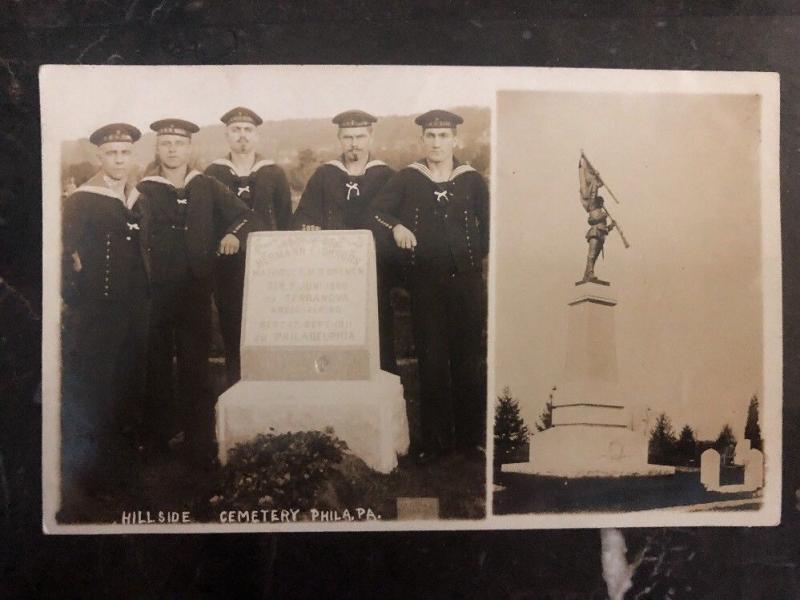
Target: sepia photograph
<point x="272" y="309"/>
<point x="269" y="288"/>
<point x="636" y="249"/>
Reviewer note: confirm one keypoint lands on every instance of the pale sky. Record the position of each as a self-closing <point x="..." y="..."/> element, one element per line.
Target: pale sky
<point x="84" y="98"/>
<point x="689" y="318"/>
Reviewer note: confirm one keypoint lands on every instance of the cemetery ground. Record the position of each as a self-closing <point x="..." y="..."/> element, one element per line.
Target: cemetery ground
<point x="519" y="493"/>
<point x="172" y="484"/>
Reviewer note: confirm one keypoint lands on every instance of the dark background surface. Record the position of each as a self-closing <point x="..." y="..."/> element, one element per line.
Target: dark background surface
<point x="722" y="563"/>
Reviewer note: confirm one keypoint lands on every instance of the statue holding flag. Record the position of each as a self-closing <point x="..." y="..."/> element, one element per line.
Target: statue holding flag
<point x="600" y="221"/>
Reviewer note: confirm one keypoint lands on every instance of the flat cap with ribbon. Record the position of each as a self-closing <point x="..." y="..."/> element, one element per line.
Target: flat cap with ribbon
<point x="115" y="132"/>
<point x="174" y="127"/>
<point x="241" y="114"/>
<point x="354" y="118"/>
<point x="438" y="118"/>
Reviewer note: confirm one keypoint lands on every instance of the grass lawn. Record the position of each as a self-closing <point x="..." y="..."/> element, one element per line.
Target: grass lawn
<point x="170" y="484"/>
<point x="522" y="493"/>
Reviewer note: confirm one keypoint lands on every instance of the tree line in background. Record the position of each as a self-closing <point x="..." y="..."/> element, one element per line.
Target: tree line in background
<point x="511" y="435"/>
<point x="667" y="448"/>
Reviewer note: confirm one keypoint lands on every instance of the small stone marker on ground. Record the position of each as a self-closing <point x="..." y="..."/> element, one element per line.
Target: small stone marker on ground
<point x="754" y="470"/>
<point x="413" y="509"/>
<point x="741" y="452"/>
<point x="710" y="469"/>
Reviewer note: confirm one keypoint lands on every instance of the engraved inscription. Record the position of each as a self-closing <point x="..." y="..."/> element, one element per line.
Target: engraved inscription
<point x="306" y="290"/>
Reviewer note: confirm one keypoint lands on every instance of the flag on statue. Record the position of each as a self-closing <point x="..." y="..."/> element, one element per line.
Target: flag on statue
<point x="589" y="178"/>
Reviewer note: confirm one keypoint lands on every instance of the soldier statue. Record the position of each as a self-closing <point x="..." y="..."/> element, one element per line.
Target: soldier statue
<point x="600" y="221"/>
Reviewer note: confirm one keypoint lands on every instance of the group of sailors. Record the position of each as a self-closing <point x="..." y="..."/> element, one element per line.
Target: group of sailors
<point x="144" y="261"/>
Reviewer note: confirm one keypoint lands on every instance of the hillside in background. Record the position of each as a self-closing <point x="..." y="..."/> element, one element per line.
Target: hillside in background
<point x="299" y="145"/>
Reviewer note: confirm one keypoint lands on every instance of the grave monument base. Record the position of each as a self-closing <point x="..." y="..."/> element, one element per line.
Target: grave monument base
<point x="588" y="451"/>
<point x="369" y="415"/>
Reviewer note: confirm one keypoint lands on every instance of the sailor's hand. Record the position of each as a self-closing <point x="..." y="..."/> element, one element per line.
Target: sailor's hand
<point x="611" y="226"/>
<point x="229" y="244"/>
<point x="403" y="237"/>
<point x="76" y="262"/>
<point x="311" y="228"/>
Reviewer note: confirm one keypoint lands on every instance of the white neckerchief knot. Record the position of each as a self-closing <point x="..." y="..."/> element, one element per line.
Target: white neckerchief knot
<point x="242" y="190"/>
<point x="352" y="186"/>
<point x="441" y="197"/>
<point x="132" y="226"/>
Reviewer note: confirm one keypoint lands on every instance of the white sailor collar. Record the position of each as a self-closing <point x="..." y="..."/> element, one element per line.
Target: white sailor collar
<point x="459" y="169"/>
<point x="339" y="164"/>
<point x="258" y="164"/>
<point x="98" y="185"/>
<point x="159" y="179"/>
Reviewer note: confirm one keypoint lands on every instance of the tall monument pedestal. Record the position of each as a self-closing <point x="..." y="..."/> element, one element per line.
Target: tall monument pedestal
<point x="592" y="433"/>
<point x="310" y="352"/>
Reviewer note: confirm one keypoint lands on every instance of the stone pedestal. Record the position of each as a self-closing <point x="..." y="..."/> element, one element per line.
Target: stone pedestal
<point x="591" y="433"/>
<point x="310" y="352"/>
<point x="369" y="415"/>
<point x="588" y="451"/>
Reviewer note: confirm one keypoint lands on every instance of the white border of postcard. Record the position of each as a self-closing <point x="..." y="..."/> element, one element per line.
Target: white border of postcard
<point x="491" y="80"/>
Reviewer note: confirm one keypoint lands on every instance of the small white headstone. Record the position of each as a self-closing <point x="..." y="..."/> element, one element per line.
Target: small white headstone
<point x="741" y="453"/>
<point x="754" y="470"/>
<point x="709" y="469"/>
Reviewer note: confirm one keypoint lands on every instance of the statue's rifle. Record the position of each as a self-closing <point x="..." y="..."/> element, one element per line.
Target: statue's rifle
<point x="617" y="227"/>
<point x="596" y="173"/>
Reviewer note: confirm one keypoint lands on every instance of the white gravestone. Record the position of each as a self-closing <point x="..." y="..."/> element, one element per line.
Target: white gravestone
<point x="754" y="470"/>
<point x="310" y="351"/>
<point x="741" y="452"/>
<point x="710" y="469"/>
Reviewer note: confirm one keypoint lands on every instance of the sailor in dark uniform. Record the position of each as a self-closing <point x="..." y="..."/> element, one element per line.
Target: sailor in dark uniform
<point x="438" y="212"/>
<point x="338" y="196"/>
<point x="263" y="187"/>
<point x="182" y="212"/>
<point x="107" y="267"/>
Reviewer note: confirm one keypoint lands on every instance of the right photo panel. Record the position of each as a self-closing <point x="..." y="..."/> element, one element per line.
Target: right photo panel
<point x="629" y="305"/>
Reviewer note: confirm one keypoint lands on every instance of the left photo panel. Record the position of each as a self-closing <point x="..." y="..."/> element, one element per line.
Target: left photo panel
<point x="265" y="298"/>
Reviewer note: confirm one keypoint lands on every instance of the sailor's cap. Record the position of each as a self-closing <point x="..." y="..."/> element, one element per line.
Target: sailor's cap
<point x="354" y="118"/>
<point x="115" y="132"/>
<point x="174" y="127"/>
<point x="241" y="114"/>
<point x="438" y="118"/>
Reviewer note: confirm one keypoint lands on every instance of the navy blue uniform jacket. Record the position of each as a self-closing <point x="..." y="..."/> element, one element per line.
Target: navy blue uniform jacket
<point x="450" y="219"/>
<point x="180" y="226"/>
<point x="105" y="233"/>
<point x="334" y="199"/>
<point x="265" y="190"/>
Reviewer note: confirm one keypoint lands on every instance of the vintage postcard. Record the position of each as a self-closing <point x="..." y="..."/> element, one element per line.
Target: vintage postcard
<point x="346" y="298"/>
